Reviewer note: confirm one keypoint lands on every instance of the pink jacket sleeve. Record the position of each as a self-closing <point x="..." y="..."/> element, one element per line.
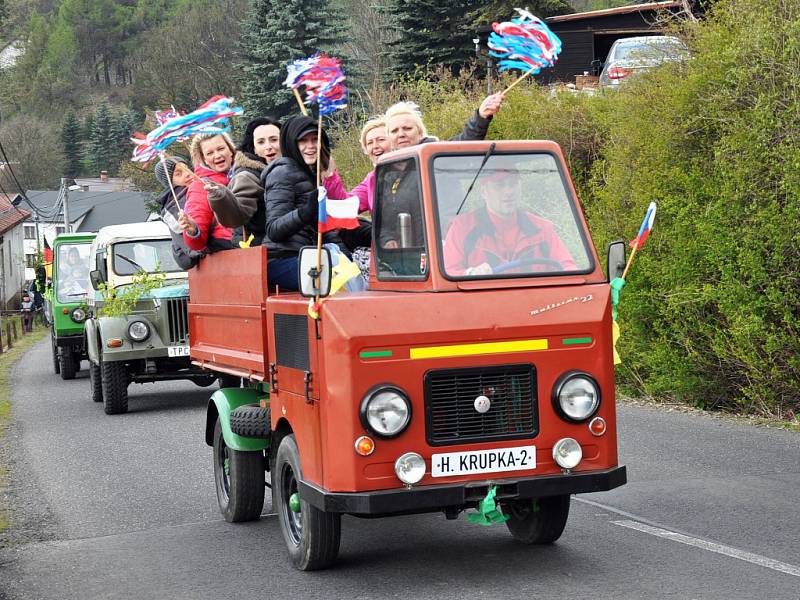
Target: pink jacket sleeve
<point x="334" y="186"/>
<point x="199" y="210"/>
<point x="364" y="191"/>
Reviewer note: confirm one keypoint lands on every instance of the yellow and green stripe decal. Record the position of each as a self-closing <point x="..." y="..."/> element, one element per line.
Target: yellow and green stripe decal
<point x="576" y="341"/>
<point x="474" y="349"/>
<point x="375" y="354"/>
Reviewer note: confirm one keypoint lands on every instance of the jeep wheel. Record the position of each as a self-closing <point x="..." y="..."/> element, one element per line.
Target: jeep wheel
<point x="68" y="363"/>
<point x="239" y="478"/>
<point x="537" y="521"/>
<point x="96" y="382"/>
<point x="114" y="387"/>
<point x="56" y="366"/>
<point x="311" y="535"/>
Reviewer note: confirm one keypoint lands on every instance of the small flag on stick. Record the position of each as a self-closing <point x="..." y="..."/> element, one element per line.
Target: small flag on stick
<point x="337" y="214"/>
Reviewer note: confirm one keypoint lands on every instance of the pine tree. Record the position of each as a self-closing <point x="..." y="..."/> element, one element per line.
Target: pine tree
<point x="72" y="138"/>
<point x="430" y="33"/>
<point x="276" y="32"/>
<point x="102" y="145"/>
<point x="123" y="125"/>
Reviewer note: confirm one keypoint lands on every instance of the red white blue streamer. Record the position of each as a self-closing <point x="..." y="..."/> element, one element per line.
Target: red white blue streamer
<point x="212" y="117"/>
<point x="525" y="43"/>
<point x="323" y="79"/>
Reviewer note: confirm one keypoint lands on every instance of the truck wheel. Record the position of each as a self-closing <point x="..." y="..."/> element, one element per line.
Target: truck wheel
<point x="56" y="365"/>
<point x="239" y="478"/>
<point x="537" y="521"/>
<point x="67" y="363"/>
<point x="311" y="535"/>
<point x="114" y="387"/>
<point x="96" y="382"/>
<point x="250" y="420"/>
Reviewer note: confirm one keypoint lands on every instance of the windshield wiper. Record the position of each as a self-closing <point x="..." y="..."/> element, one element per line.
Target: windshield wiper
<point x="133" y="262"/>
<point x="486" y="156"/>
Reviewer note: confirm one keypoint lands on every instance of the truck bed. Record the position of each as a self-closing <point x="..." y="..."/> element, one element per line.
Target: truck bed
<point x="227" y="326"/>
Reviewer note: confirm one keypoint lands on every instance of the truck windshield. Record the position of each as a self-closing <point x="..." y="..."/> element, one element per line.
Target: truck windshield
<point x="518" y="220"/>
<point x="72" y="274"/>
<point x="399" y="222"/>
<point x="145" y="255"/>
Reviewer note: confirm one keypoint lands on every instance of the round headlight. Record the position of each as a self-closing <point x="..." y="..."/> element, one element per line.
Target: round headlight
<point x="138" y="331"/>
<point x="567" y="453"/>
<point x="410" y="468"/>
<point x="385" y="411"/>
<point x="576" y="396"/>
<point x="78" y="314"/>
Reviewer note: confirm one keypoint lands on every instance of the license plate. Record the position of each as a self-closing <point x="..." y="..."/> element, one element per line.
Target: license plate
<point x="177" y="350"/>
<point x="483" y="461"/>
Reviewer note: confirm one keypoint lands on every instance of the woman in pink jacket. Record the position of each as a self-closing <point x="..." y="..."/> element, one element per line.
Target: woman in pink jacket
<point x="212" y="156"/>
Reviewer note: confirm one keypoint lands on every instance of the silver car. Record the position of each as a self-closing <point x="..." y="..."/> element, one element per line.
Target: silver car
<point x="635" y="54"/>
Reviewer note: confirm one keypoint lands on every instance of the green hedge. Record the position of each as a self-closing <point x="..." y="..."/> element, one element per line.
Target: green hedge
<point x="711" y="312"/>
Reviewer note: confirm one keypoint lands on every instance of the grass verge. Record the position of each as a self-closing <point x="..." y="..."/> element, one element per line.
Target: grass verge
<point x="7" y="361"/>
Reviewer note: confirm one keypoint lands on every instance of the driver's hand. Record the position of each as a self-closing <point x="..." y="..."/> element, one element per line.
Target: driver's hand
<point x="186" y="223"/>
<point x="481" y="269"/>
<point x="391" y="244"/>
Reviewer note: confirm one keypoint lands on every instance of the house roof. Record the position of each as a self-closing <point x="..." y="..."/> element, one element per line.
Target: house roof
<point x="99" y="208"/>
<point x="621" y="10"/>
<point x="10" y="215"/>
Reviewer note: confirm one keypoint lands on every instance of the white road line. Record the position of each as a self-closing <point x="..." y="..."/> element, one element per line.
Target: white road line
<point x="756" y="559"/>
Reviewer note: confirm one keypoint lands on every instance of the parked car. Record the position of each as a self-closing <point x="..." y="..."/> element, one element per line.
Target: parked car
<point x="636" y="54"/>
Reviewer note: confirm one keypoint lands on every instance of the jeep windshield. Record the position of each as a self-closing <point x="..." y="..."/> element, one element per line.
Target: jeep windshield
<point x="519" y="219"/>
<point x="72" y="276"/>
<point x="151" y="256"/>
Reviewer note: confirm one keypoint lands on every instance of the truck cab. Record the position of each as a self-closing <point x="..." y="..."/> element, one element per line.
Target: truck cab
<point x="475" y="372"/>
<point x="67" y="300"/>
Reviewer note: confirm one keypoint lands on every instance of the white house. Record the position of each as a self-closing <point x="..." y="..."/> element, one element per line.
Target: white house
<point x="12" y="259"/>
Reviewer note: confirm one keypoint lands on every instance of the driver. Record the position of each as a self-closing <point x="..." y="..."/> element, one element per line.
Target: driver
<point x="500" y="237"/>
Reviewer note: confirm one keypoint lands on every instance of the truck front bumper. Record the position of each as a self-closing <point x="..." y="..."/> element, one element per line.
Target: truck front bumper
<point x="432" y="498"/>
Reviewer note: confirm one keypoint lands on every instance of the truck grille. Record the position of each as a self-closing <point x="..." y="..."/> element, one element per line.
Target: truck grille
<point x="450" y="414"/>
<point x="178" y="320"/>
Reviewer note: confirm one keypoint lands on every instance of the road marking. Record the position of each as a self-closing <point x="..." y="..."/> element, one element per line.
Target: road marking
<point x="756" y="559"/>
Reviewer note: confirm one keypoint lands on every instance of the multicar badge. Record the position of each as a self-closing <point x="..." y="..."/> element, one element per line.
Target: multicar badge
<point x="482" y="404"/>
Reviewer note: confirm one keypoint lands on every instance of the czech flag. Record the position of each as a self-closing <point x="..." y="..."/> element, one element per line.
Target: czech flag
<point x="644" y="230"/>
<point x="337" y="214"/>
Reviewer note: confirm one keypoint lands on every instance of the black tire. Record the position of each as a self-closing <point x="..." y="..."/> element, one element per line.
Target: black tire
<point x="251" y="420"/>
<point x="239" y="479"/>
<point x="95" y="382"/>
<point x="229" y="381"/>
<point x="311" y="535"/>
<point x="537" y="521"/>
<point x="114" y="378"/>
<point x="68" y="363"/>
<point x="56" y="365"/>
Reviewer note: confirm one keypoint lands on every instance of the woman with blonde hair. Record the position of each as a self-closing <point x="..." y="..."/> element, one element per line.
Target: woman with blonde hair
<point x="374" y="143"/>
<point x="212" y="157"/>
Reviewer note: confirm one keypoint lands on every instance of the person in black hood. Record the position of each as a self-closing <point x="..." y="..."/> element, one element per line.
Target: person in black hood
<point x="290" y="195"/>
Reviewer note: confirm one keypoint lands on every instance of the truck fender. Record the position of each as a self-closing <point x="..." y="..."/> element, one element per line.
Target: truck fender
<point x="220" y="406"/>
<point x="92" y="341"/>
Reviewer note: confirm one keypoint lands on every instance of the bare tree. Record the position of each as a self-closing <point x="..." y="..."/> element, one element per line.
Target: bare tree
<point x="33" y="149"/>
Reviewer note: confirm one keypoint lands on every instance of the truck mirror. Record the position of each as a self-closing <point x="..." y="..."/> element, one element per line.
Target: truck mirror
<point x="96" y="278"/>
<point x="615" y="266"/>
<point x="314" y="282"/>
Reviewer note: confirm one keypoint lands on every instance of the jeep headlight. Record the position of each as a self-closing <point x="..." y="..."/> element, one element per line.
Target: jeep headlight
<point x="386" y="411"/>
<point x="138" y="331"/>
<point x="576" y="396"/>
<point x="78" y="314"/>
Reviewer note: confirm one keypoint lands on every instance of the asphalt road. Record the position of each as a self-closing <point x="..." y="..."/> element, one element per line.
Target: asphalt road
<point x="124" y="507"/>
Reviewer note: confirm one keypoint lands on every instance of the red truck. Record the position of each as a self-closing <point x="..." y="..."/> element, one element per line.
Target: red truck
<point x="476" y="371"/>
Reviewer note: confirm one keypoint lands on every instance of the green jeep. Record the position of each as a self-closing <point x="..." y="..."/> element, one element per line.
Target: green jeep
<point x="151" y="343"/>
<point x="67" y="301"/>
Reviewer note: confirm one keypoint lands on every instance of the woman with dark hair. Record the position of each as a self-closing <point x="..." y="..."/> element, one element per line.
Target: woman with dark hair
<point x="241" y="204"/>
<point x="291" y="197"/>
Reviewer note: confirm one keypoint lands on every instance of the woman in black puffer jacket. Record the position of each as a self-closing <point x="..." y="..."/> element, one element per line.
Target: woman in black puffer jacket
<point x="290" y="194"/>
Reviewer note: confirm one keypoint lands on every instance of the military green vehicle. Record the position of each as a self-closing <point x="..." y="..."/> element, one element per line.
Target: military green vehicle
<point x="151" y="343"/>
<point x="67" y="301"/>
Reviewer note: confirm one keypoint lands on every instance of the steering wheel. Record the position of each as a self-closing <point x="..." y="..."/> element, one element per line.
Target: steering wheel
<point x="553" y="264"/>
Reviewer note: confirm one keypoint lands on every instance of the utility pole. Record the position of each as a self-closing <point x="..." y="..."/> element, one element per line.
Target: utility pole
<point x="65" y="191"/>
